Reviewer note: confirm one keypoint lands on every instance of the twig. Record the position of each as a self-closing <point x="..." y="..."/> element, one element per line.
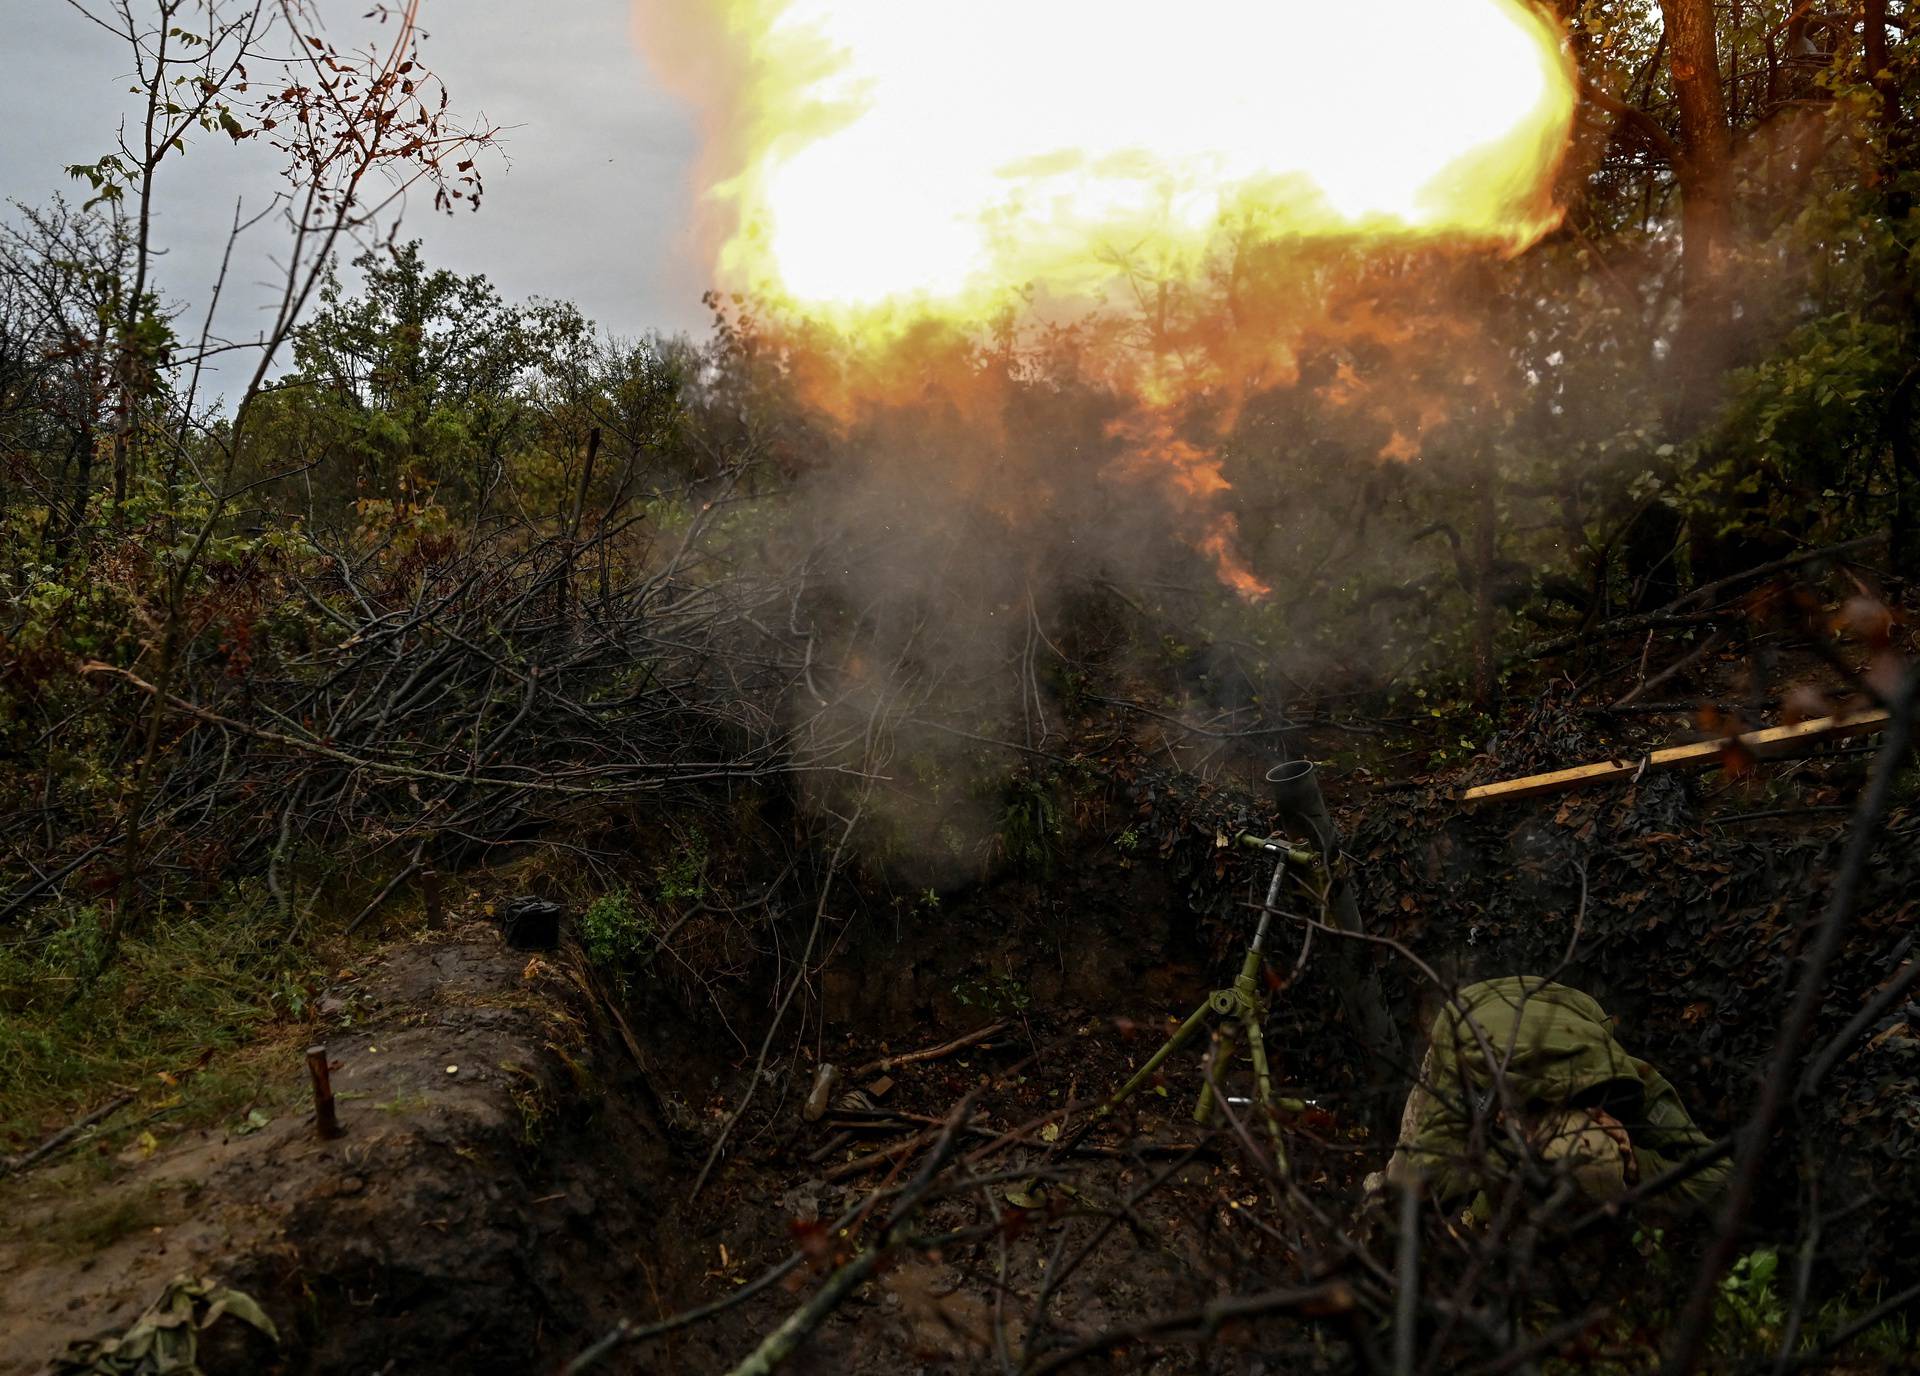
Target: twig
<point x="1775" y="813"/>
<point x="886" y="1156"/>
<point x="1707" y="591"/>
<point x="66" y="1135"/>
<point x="1311" y="1301"/>
<point x="1406" y="1308"/>
<point x="712" y="769"/>
<point x="1697" y="1317"/>
<point x="1802" y="1271"/>
<point x="413" y="867"/>
<point x="1842" y="1044"/>
<point x="1613" y="630"/>
<point x="840" y="1139"/>
<point x="1891" y="1305"/>
<point x="1690" y="710"/>
<point x="793" y="987"/>
<point x="626" y="1331"/>
<point x="932" y="1053"/>
<point x="1673" y="670"/>
<point x="1523" y="1355"/>
<point x="786" y="1339"/>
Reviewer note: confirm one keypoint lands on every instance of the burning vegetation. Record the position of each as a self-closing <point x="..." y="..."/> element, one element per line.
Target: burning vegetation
<point x="1388" y="535"/>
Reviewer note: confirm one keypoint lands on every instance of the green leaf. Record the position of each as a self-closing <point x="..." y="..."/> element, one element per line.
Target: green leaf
<point x="243" y="1307"/>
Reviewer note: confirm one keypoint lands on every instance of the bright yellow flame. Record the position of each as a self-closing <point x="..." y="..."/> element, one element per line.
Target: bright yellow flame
<point x="885" y="166"/>
<point x="902" y="153"/>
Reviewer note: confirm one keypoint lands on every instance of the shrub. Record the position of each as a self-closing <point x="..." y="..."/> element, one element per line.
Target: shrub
<point x="616" y="935"/>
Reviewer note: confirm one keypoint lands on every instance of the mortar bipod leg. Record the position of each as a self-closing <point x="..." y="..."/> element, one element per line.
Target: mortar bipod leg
<point x="1263" y="1088"/>
<point x="1215" y="1086"/>
<point x="1195" y="1020"/>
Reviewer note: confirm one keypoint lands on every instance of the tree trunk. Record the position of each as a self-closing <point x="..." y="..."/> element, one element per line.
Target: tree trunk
<point x="1903" y="303"/>
<point x="1704" y="171"/>
<point x="1485" y="547"/>
<point x="1702" y="164"/>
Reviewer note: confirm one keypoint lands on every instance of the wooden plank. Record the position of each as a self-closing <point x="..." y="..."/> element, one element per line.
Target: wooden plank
<point x="1773" y="740"/>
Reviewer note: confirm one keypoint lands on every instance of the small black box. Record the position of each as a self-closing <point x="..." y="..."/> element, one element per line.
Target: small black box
<point x="531" y="924"/>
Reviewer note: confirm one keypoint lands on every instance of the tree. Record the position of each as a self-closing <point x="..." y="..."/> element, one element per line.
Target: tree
<point x="421" y="376"/>
<point x="63" y="277"/>
<point x="357" y="129"/>
<point x="1704" y="171"/>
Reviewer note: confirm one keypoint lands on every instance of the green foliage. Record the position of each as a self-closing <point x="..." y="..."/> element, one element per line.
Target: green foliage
<point x="1030" y="828"/>
<point x="1750" y="1309"/>
<point x="1422" y="491"/>
<point x="425" y="394"/>
<point x="531" y="1101"/>
<point x="1073" y="686"/>
<point x="996" y="993"/>
<point x="1460" y="729"/>
<point x="194" y="984"/>
<point x="165" y="1340"/>
<point x="1891" y="1340"/>
<point x="92" y="1224"/>
<point x="423" y="381"/>
<point x="683" y="878"/>
<point x="1750" y="1313"/>
<point x="616" y="934"/>
<point x="107" y="177"/>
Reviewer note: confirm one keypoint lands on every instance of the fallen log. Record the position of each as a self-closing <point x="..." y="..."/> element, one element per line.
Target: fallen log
<point x="1770" y="742"/>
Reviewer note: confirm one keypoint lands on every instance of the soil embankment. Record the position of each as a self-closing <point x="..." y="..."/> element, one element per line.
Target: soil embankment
<point x="461" y="1212"/>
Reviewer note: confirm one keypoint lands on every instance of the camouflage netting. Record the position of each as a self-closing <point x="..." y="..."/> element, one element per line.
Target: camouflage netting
<point x="1690" y="935"/>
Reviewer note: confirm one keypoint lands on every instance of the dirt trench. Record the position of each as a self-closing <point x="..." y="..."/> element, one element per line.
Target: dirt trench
<point x="490" y="1198"/>
<point x="517" y="1169"/>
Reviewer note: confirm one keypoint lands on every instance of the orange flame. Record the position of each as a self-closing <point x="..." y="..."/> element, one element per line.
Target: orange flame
<point x="876" y="165"/>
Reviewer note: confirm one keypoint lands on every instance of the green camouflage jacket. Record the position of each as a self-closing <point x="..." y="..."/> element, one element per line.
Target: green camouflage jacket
<point x="1558" y="1049"/>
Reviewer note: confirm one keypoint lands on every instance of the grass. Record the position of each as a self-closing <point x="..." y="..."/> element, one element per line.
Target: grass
<point x="96" y="1223"/>
<point x="1750" y="1317"/>
<point x="165" y="1017"/>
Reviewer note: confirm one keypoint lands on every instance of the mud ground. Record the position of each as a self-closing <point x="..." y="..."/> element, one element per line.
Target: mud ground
<point x="518" y="1167"/>
<point x="440" y="1223"/>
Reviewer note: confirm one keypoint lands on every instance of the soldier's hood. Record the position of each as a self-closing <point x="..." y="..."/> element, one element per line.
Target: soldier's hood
<point x="1554" y="1042"/>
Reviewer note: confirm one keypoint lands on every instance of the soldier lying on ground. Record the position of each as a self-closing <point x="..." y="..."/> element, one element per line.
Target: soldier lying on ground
<point x="1569" y="1095"/>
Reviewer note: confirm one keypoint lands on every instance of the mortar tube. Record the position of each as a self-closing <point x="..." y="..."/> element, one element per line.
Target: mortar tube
<point x="1296" y="792"/>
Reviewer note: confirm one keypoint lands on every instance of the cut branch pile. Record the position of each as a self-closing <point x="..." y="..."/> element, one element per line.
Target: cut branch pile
<point x="444" y="704"/>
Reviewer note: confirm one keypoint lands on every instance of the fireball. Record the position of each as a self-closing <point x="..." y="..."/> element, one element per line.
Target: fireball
<point x="892" y="154"/>
<point x="874" y="167"/>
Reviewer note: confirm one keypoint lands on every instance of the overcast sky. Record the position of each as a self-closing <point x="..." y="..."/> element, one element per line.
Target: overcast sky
<point x="590" y="206"/>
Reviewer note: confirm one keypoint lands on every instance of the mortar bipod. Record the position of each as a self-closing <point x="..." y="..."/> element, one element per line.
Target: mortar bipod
<point x="1242" y="1009"/>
